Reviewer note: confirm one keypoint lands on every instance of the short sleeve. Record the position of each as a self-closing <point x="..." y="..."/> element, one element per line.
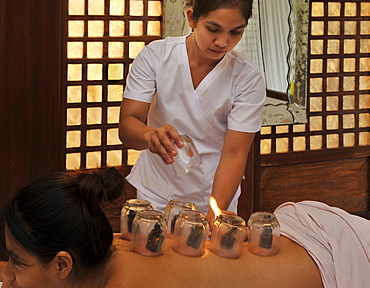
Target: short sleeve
<point x="141" y="80"/>
<point x="245" y="115"/>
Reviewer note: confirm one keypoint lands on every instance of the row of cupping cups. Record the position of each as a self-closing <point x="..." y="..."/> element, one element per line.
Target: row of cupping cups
<point x="147" y="229"/>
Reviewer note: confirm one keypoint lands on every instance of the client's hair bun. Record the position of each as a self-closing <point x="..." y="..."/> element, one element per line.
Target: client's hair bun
<point x="96" y="187"/>
<point x="113" y="183"/>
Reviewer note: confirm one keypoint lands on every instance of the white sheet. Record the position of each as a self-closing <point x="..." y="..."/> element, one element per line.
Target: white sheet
<point x="338" y="241"/>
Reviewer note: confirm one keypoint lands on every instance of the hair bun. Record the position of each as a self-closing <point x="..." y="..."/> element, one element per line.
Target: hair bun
<point x="113" y="183"/>
<point x="96" y="187"/>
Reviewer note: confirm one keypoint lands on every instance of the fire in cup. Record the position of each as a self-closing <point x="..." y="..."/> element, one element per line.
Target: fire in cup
<point x="228" y="233"/>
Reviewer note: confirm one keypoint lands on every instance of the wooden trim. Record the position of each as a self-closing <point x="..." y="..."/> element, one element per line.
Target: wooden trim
<point x="315" y="156"/>
<point x="249" y="201"/>
<point x="4" y="99"/>
<point x="277" y="95"/>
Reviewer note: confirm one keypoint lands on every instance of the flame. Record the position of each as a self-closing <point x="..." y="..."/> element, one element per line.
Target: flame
<point x="213" y="203"/>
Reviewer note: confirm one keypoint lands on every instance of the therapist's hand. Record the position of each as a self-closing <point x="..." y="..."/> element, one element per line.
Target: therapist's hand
<point x="164" y="141"/>
<point x="211" y="218"/>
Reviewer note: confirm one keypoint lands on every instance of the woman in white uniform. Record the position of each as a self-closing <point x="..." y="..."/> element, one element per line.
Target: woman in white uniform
<point x="195" y="85"/>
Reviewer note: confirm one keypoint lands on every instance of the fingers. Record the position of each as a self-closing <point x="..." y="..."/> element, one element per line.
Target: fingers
<point x="189" y="151"/>
<point x="162" y="141"/>
<point x="210" y="222"/>
<point x="211" y="218"/>
<point x="174" y="136"/>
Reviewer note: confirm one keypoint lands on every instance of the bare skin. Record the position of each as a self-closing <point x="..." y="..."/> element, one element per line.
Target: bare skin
<point x="291" y="267"/>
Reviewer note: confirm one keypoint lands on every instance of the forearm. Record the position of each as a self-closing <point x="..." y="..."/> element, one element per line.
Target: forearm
<point x="227" y="179"/>
<point x="132" y="133"/>
<point x="231" y="167"/>
<point x="132" y="126"/>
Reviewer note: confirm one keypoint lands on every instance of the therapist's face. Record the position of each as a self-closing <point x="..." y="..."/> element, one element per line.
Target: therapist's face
<point x="23" y="269"/>
<point x="218" y="32"/>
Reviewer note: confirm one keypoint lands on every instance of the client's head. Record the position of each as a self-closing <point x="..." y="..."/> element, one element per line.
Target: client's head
<point x="55" y="227"/>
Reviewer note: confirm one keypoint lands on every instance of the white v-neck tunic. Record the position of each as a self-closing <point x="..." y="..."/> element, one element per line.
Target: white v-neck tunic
<point x="231" y="96"/>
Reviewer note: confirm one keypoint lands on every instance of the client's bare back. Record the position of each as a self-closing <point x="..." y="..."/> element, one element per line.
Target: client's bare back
<point x="291" y="267"/>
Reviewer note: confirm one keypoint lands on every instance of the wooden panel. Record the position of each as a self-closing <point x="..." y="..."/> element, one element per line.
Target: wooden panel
<point x="31" y="63"/>
<point x="4" y="111"/>
<point x="315" y="156"/>
<point x="342" y="183"/>
<point x="249" y="193"/>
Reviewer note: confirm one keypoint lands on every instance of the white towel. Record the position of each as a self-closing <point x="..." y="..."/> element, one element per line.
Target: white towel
<point x="338" y="242"/>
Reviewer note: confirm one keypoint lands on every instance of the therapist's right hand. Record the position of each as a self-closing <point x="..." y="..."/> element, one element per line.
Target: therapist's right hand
<point x="164" y="141"/>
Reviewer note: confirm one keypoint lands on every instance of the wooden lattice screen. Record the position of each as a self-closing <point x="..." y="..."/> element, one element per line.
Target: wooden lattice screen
<point x="104" y="36"/>
<point x="102" y="39"/>
<point x="339" y="81"/>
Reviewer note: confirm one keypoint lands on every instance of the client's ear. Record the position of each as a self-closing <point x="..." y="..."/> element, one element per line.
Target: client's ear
<point x="63" y="263"/>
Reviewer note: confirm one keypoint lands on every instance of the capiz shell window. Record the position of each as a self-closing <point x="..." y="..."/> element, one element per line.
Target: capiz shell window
<point x="103" y="37"/>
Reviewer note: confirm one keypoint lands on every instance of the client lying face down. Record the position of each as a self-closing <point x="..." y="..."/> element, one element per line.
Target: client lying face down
<point x="56" y="235"/>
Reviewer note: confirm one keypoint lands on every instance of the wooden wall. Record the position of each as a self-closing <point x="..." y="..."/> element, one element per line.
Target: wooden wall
<point x="338" y="177"/>
<point x="341" y="183"/>
<point x="30" y="112"/>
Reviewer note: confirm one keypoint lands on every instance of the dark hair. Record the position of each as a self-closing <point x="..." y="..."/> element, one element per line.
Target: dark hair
<point x="61" y="212"/>
<point x="203" y="7"/>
